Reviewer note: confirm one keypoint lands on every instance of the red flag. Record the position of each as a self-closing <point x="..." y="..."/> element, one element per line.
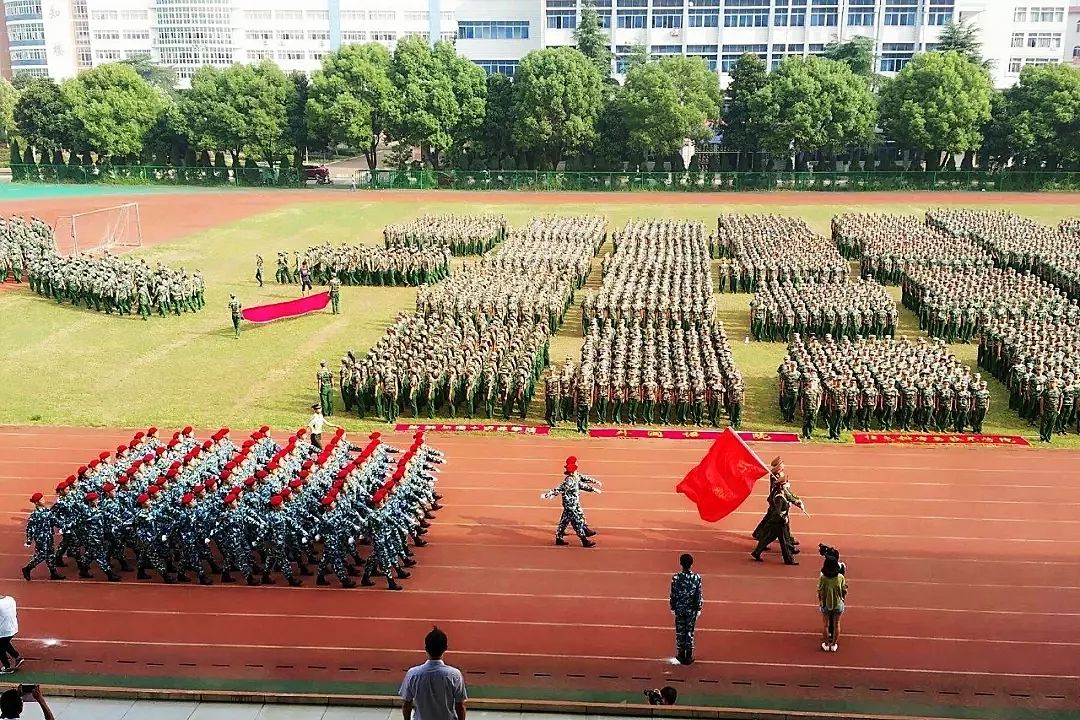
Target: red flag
<point x="724" y="478"/>
<point x="289" y="308"/>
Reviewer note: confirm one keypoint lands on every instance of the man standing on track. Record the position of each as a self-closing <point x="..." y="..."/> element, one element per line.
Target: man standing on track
<point x="570" y="488"/>
<point x="686" y="602"/>
<point x="325" y="381"/>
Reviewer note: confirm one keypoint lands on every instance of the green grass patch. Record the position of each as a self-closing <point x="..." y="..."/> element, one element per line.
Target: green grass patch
<point x="68" y="366"/>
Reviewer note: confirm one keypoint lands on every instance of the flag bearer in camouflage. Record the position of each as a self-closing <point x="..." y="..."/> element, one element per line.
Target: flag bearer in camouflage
<point x="39" y="532"/>
<point x="569" y="490"/>
<point x="324" y="380"/>
<point x="234" y="311"/>
<point x="686" y="602"/>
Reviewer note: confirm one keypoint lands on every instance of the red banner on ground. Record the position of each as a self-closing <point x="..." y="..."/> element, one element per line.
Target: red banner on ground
<point x="289" y="308"/>
<point x="724" y="478"/>
<point x="937" y="439"/>
<point x="472" y="427"/>
<point x="776" y="437"/>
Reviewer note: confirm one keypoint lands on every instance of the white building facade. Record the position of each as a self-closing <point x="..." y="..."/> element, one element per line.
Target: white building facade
<point x="58" y="38"/>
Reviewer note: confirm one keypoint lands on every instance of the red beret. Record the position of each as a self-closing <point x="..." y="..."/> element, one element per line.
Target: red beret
<point x="90" y="496"/>
<point x="248" y="443"/>
<point x="304" y="474"/>
<point x="103" y="455"/>
<point x="300" y="433"/>
<point x="294" y="484"/>
<point x="398" y="474"/>
<point x="108" y="487"/>
<point x="70" y="479"/>
<point x="275" y="501"/>
<point x="159" y="451"/>
<point x="226" y="474"/>
<point x="418" y="435"/>
<point x="224" y="431"/>
<point x="176" y="435"/>
<point x="143" y="499"/>
<point x="82" y="469"/>
<point x="264" y="429"/>
<point x="339" y="484"/>
<point x="327" y="500"/>
<point x="151" y="431"/>
<point x="211" y="483"/>
<point x="260" y="474"/>
<point x="249" y="482"/>
<point x="187" y="499"/>
<point x="120" y="449"/>
<point x="169" y="474"/>
<point x="374" y="436"/>
<point x="198" y="489"/>
<point x="94" y="463"/>
<point x="140" y="435"/>
<point x="339" y="432"/>
<point x="571" y="460"/>
<point x="286" y="493"/>
<point x="186" y="430"/>
<point x="172" y="443"/>
<point x="123" y="479"/>
<point x="307" y="464"/>
<point x="60" y="488"/>
<point x="36" y="497"/>
<point x="153" y="490"/>
<point x="207" y="445"/>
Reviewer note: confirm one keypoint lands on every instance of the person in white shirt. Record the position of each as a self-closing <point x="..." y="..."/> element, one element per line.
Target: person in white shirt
<point x="434" y="690"/>
<point x="316" y="425"/>
<point x="9" y="628"/>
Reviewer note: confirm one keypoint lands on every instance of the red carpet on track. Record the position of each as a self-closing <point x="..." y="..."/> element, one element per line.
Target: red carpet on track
<point x="937" y="439"/>
<point x="962" y="564"/>
<point x="678" y="434"/>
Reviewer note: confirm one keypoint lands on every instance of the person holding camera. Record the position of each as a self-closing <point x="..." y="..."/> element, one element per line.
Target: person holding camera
<point x="832" y="590"/>
<point x="12" y="701"/>
<point x="666" y="695"/>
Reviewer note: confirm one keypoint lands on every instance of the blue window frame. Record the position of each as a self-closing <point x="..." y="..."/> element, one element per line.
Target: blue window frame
<point x="493" y="29"/>
<point x="561" y="19"/>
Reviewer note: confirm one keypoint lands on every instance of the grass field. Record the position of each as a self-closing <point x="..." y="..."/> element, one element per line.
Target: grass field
<point x="67" y="366"/>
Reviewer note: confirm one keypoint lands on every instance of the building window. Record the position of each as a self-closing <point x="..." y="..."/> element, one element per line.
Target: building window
<point x="111" y="35"/>
<point x="319" y="35"/>
<point x="27" y="32"/>
<point x="103" y="15"/>
<point x="1044" y="40"/>
<point x="731" y="54"/>
<point x="383" y="35"/>
<point x="901" y="12"/>
<point x="291" y="55"/>
<point x="417" y="16"/>
<point x="256" y="14"/>
<point x="504" y="67"/>
<point x="1017" y="40"/>
<point x="704" y="17"/>
<point x="28" y="55"/>
<point x="353" y="16"/>
<point x="493" y="29"/>
<point x="134" y="15"/>
<point x="1076" y="51"/>
<point x="107" y="55"/>
<point x="790" y="13"/>
<point x="317" y="55"/>
<point x="630" y="18"/>
<point x="895" y="56"/>
<point x="256" y="55"/>
<point x="1047" y="14"/>
<point x="1020" y="15"/>
<point x="136" y="34"/>
<point x="605" y="18"/>
<point x="824" y="13"/>
<point x="860" y="17"/>
<point x="22" y="8"/>
<point x="382" y="16"/>
<point x="318" y="15"/>
<point x="257" y="35"/>
<point x="352" y="36"/>
<point x="746" y="13"/>
<point x="288" y="14"/>
<point x="290" y="35"/>
<point x="940" y="12"/>
<point x="1014" y="66"/>
<point x="561" y="19"/>
<point x="667" y="20"/>
<point x="666" y="49"/>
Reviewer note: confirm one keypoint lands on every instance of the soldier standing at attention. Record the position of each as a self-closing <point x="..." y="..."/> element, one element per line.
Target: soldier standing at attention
<point x="811" y="403"/>
<point x="551" y="398"/>
<point x="345" y="380"/>
<point x="325" y="382"/>
<point x="686" y="601"/>
<point x="982" y="406"/>
<point x="234" y="309"/>
<point x="335" y="294"/>
<point x="1049" y="408"/>
<point x="258" y="269"/>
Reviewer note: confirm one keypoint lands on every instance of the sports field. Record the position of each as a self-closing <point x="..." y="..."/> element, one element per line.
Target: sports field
<point x="76" y="367"/>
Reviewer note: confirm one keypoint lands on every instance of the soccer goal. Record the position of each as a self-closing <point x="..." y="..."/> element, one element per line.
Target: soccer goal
<point x="118" y="226"/>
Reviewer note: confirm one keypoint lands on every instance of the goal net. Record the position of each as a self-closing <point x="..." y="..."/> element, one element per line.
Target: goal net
<point x="106" y="228"/>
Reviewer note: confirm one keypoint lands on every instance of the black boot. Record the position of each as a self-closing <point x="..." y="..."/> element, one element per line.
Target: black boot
<point x="113" y="577"/>
<point x="53" y="575"/>
<point x="226" y="577"/>
<point x="321" y="580"/>
<point x="267" y="580"/>
<point x="305" y="570"/>
<point x="408" y="562"/>
<point x="402" y="574"/>
<point x="214" y="567"/>
<point x="181" y="577"/>
<point x="561" y="541"/>
<point x="586" y="542"/>
<point x="124" y="566"/>
<point x="169" y="579"/>
<point x="252" y="580"/>
<point x="204" y="580"/>
<point x="142" y="574"/>
<point x="84" y="572"/>
<point x="393" y="585"/>
<point x="366" y="581"/>
<point x="589" y="532"/>
<point x="295" y="582"/>
<point x="419" y="542"/>
<point x="348" y="583"/>
<point x="26" y="572"/>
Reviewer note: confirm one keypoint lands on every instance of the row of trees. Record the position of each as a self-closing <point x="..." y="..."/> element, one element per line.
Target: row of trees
<point x="561" y="105"/>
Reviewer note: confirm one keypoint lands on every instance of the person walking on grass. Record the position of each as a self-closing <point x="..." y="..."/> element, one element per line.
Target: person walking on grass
<point x="9" y="628"/>
<point x="234" y="310"/>
<point x="832" y="589"/>
<point x="434" y="690"/>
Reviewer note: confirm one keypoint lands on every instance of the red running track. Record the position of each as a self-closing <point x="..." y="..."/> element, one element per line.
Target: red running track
<point x="964" y="565"/>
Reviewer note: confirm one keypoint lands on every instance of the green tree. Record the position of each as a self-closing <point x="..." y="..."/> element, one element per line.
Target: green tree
<point x="43" y="115"/>
<point x="810" y="104"/>
<point x="166" y="141"/>
<point x="16" y="161"/>
<point x="496" y="133"/>
<point x="669" y="100"/>
<point x="469" y="83"/>
<point x="297" y="131"/>
<point x="160" y="76"/>
<point x="611" y="144"/>
<point x="1042" y="114"/>
<point x="426" y="109"/>
<point x="857" y="53"/>
<point x="592" y="41"/>
<point x="747" y="77"/>
<point x="114" y="108"/>
<point x="637" y="55"/>
<point x="962" y="39"/>
<point x="351" y="99"/>
<point x="8" y="97"/>
<point x="937" y="102"/>
<point x="557" y="98"/>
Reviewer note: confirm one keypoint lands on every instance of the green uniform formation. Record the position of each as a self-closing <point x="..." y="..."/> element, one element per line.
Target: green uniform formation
<point x="653" y="353"/>
<point x="763" y="248"/>
<point x="885" y="384"/>
<point x="478" y="341"/>
<point x="1039" y="363"/>
<point x="888" y="245"/>
<point x="365" y="265"/>
<point x="105" y="283"/>
<point x="461" y="234"/>
<point x="859" y="309"/>
<point x="23" y="242"/>
<point x="953" y="303"/>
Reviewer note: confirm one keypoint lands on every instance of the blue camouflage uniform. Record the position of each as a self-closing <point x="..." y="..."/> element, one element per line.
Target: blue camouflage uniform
<point x="39" y="532"/>
<point x="686" y="603"/>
